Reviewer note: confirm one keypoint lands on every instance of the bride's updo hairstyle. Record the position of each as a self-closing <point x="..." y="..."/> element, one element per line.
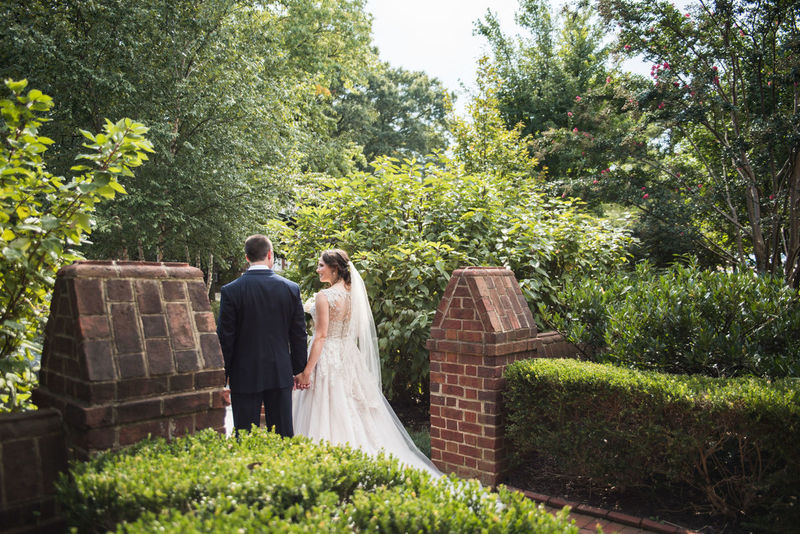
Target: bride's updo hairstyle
<point x="337" y="259"/>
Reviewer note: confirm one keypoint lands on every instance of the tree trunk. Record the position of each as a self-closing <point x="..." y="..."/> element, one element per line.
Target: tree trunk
<point x="792" y="267"/>
<point x="210" y="277"/>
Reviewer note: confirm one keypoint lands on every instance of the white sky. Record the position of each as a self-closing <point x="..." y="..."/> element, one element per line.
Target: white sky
<point x="435" y="36"/>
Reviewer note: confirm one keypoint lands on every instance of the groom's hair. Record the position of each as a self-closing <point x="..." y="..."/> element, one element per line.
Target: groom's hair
<point x="256" y="247"/>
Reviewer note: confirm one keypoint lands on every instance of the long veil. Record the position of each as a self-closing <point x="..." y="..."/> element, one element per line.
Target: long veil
<point x="362" y="328"/>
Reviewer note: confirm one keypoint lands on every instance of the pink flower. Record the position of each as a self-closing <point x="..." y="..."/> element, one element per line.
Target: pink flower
<point x="699" y="186"/>
<point x="577" y="99"/>
<point x="646" y="196"/>
<point x="594" y="181"/>
<point x="714" y="68"/>
<point x="666" y="65"/>
<point x="627" y="47"/>
<point x="678" y="174"/>
<point x="563" y="194"/>
<point x="569" y="114"/>
<point x="661" y="106"/>
<point x="772" y="197"/>
<point x="643" y="188"/>
<point x="574" y="130"/>
<point x="741" y="33"/>
<point x="676" y="84"/>
<point x="686" y="15"/>
<point x="716" y="80"/>
<point x="608" y="79"/>
<point x="583" y="153"/>
<point x="769" y="83"/>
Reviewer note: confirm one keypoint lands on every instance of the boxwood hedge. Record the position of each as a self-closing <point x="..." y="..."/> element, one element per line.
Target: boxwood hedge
<point x="733" y="441"/>
<point x="262" y="482"/>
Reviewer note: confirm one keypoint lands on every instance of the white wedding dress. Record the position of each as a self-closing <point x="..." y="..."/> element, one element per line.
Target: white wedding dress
<point x="345" y="404"/>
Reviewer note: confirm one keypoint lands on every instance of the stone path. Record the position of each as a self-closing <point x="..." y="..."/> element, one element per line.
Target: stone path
<point x="588" y="518"/>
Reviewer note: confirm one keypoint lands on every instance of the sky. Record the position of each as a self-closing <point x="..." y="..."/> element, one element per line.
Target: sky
<point x="435" y="36"/>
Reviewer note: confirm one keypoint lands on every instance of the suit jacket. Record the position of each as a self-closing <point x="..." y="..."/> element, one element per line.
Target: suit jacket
<point x="262" y="331"/>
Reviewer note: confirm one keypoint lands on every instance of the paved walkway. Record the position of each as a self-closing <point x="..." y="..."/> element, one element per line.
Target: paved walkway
<point x="588" y="518"/>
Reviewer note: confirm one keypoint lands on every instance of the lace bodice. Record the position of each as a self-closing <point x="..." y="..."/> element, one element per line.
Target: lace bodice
<point x="338" y="311"/>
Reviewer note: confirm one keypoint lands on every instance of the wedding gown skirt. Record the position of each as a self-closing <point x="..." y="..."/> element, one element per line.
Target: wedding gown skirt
<point x="341" y="408"/>
<point x="344" y="405"/>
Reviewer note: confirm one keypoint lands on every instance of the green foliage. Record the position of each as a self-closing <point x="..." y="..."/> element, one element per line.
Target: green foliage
<point x="731" y="441"/>
<point x="723" y="107"/>
<point x="407" y="227"/>
<point x="484" y="143"/>
<point x="262" y="482"/>
<point x="685" y="320"/>
<point x="396" y="113"/>
<point x="229" y="90"/>
<point x="42" y="216"/>
<point x="556" y="85"/>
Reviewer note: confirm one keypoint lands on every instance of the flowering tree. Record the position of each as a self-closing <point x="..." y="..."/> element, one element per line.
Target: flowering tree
<point x="725" y="91"/>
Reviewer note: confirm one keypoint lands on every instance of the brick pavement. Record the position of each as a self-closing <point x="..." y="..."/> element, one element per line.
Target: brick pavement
<point x="588" y="518"/>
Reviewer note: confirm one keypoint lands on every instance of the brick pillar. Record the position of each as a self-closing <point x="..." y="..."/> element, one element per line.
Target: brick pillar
<point x="481" y="325"/>
<point x="32" y="454"/>
<point x="130" y="349"/>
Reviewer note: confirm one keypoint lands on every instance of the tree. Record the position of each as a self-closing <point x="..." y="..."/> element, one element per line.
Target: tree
<point x="44" y="218"/>
<point x="228" y="88"/>
<point x="483" y="144"/>
<point x="396" y="113"/>
<point x="725" y="92"/>
<point x="556" y="82"/>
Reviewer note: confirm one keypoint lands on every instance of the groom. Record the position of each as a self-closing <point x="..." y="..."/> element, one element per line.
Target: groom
<point x="262" y="331"/>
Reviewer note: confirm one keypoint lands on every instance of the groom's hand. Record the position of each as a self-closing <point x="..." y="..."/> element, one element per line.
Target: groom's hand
<point x="302" y="381"/>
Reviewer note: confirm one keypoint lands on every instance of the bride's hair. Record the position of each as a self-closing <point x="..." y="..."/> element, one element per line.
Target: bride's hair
<point x="338" y="259"/>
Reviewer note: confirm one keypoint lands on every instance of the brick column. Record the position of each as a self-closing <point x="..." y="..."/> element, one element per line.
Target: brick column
<point x="32" y="454"/>
<point x="481" y="325"/>
<point x="130" y="349"/>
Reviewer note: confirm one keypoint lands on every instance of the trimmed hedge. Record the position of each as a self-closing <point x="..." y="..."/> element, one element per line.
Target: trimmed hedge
<point x="734" y="441"/>
<point x="684" y="320"/>
<point x="207" y="483"/>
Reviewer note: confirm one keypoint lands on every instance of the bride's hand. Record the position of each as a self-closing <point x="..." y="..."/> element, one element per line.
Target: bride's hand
<point x="303" y="380"/>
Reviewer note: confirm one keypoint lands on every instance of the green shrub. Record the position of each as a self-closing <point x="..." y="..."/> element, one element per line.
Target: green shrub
<point x="207" y="483"/>
<point x="732" y="440"/>
<point x="685" y="320"/>
<point x="408" y="226"/>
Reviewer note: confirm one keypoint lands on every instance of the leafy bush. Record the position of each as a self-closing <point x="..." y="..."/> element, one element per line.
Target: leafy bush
<point x="685" y="320"/>
<point x="262" y="482"/>
<point x="41" y="216"/>
<point x="407" y="227"/>
<point x="732" y="440"/>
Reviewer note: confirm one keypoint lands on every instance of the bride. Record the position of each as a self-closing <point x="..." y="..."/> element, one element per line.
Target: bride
<point x="339" y="397"/>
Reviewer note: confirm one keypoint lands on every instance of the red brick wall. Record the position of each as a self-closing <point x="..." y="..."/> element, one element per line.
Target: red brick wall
<point x="131" y="349"/>
<point x="481" y="325"/>
<point x="32" y="453"/>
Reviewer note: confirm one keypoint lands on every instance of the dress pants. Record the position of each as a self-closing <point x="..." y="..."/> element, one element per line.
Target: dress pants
<point x="277" y="402"/>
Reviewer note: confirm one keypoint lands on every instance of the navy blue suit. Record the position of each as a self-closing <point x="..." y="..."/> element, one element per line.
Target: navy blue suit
<point x="262" y="331"/>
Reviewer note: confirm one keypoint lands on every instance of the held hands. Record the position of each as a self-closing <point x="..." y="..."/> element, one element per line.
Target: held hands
<point x="302" y="380"/>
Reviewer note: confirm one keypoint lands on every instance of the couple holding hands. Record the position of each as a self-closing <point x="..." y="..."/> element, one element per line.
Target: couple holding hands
<point x="329" y="390"/>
